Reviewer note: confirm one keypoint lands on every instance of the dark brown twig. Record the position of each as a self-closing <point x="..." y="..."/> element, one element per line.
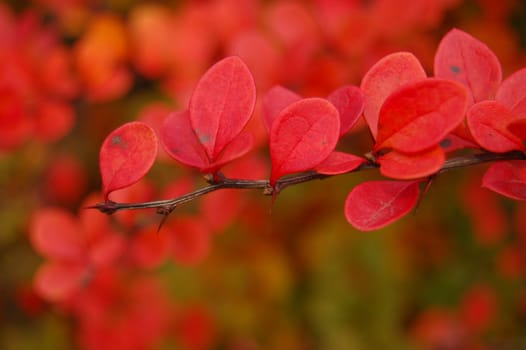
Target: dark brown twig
<point x="165" y="207"/>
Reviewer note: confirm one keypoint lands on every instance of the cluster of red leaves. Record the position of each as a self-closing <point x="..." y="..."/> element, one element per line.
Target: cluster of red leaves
<point x="415" y="121"/>
<point x="86" y="255"/>
<point x="35" y="89"/>
<point x="89" y="273"/>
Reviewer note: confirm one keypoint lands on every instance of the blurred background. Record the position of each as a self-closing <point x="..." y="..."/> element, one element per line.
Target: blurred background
<point x="232" y="271"/>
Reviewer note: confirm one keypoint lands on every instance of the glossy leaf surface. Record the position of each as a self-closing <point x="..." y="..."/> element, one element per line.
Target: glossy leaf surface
<point x="419" y="115"/>
<point x="385" y="77"/>
<point x="462" y="58"/>
<point x="488" y="122"/>
<point x="126" y="156"/>
<point x="302" y="136"/>
<point x="349" y="102"/>
<point x="339" y="163"/>
<point x="375" y="204"/>
<point x="405" y="166"/>
<point x="507" y="179"/>
<point x="222" y="104"/>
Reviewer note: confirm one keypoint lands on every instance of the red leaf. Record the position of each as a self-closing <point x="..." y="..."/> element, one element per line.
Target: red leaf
<point x="478" y="308"/>
<point x="507" y="179"/>
<point x="53" y="120"/>
<point x="58" y="281"/>
<point x="212" y="213"/>
<point x="462" y="58"/>
<point x="190" y="241"/>
<point x="239" y="146"/>
<point x="375" y="204"/>
<point x="222" y="104"/>
<point x="385" y="77"/>
<point x="419" y="115"/>
<point x="512" y="94"/>
<point x="149" y="248"/>
<point x="488" y="122"/>
<point x="180" y="142"/>
<point x="55" y="234"/>
<point x="339" y="163"/>
<point x="126" y="156"/>
<point x="518" y="128"/>
<point x="405" y="166"/>
<point x="349" y="102"/>
<point x="275" y="100"/>
<point x="458" y="139"/>
<point x="302" y="136"/>
<point x="107" y="250"/>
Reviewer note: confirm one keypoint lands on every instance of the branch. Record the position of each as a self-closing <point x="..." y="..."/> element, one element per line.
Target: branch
<point x="165" y="207"/>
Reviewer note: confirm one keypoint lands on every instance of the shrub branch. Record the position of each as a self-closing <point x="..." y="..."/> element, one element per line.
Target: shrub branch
<point x="165" y="207"/>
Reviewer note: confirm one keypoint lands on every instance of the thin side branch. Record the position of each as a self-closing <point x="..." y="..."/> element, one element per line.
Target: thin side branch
<point x="165" y="207"/>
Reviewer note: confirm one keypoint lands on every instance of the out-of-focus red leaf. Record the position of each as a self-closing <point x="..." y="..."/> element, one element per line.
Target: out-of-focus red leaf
<point x="405" y="166"/>
<point x="126" y="155"/>
<point x="260" y="52"/>
<point x="511" y="262"/>
<point x="56" y="281"/>
<point x="488" y="122"/>
<point x="462" y="58"/>
<point x="93" y="224"/>
<point x="190" y="240"/>
<point x="511" y="93"/>
<point x="15" y="126"/>
<point x="349" y="101"/>
<point x="437" y="328"/>
<point x="212" y="209"/>
<point x="149" y="248"/>
<point x="222" y="104"/>
<point x="275" y="100"/>
<point x="55" y="234"/>
<point x="107" y="250"/>
<point x="507" y="179"/>
<point x="339" y="163"/>
<point x="518" y="128"/>
<point x="385" y="77"/>
<point x="151" y="26"/>
<point x="375" y="204"/>
<point x="478" y="308"/>
<point x="180" y="141"/>
<point x="488" y="218"/>
<point x="302" y="136"/>
<point x="196" y="328"/>
<point x="53" y="120"/>
<point x="100" y="55"/>
<point x="65" y="179"/>
<point x="56" y="74"/>
<point x="419" y="115"/>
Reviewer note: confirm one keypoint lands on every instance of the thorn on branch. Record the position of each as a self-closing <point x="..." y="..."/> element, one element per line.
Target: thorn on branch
<point x="165" y="212"/>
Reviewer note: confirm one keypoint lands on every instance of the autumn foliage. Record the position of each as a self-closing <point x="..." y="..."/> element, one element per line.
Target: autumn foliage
<point x="262" y="174"/>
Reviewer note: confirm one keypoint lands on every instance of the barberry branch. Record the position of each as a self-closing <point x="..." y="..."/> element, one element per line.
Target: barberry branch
<point x="220" y="182"/>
